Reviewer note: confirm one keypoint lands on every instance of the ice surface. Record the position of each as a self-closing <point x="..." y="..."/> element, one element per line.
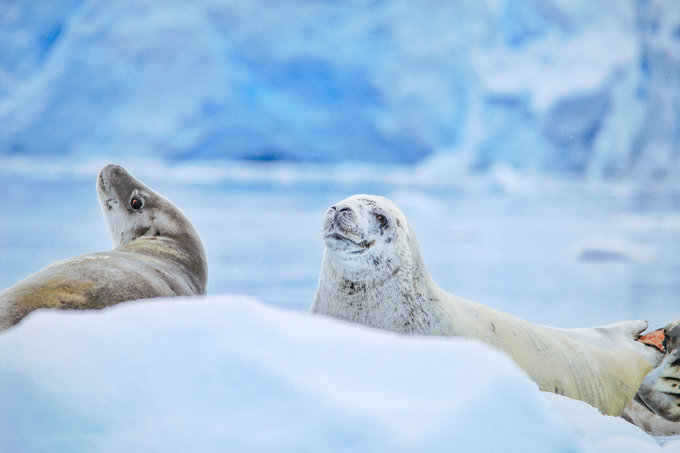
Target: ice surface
<point x="227" y="373"/>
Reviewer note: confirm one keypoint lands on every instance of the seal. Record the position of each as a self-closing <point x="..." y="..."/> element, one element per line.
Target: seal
<point x="157" y="253"/>
<point x="660" y="389"/>
<point x="373" y="273"/>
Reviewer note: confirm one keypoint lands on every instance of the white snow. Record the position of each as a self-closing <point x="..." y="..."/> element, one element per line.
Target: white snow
<point x="227" y="373"/>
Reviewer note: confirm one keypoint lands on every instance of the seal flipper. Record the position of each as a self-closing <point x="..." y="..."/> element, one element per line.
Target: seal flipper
<point x="656" y="339"/>
<point x="660" y="389"/>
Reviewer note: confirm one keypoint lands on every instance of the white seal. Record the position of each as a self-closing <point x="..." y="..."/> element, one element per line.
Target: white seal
<point x="373" y="274"/>
<point x="157" y="253"/>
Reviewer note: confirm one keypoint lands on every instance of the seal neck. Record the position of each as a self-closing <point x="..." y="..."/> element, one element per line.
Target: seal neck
<point x="404" y="301"/>
<point x="184" y="252"/>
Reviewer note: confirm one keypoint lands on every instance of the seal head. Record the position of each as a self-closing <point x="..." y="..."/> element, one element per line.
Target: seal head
<point x="132" y="210"/>
<point x="366" y="230"/>
<point x="372" y="271"/>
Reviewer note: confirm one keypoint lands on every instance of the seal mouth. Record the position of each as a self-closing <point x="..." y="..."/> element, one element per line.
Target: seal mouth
<point x="362" y="246"/>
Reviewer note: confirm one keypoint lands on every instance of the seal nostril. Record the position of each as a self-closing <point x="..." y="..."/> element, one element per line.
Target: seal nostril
<point x="342" y="214"/>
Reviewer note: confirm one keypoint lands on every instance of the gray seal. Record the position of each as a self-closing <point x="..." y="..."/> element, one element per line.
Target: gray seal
<point x="157" y="253"/>
<point x="659" y="392"/>
<point x="373" y="274"/>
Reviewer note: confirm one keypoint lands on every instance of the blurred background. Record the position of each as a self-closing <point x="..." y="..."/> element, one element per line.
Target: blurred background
<point x="534" y="145"/>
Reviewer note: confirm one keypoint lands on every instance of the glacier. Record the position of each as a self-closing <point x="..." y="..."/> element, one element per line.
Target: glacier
<point x="571" y="87"/>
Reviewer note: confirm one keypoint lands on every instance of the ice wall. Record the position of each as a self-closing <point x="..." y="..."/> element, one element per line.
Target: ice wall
<point x="586" y="88"/>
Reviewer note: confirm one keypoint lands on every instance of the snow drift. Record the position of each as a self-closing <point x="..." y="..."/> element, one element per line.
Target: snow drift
<point x="229" y="374"/>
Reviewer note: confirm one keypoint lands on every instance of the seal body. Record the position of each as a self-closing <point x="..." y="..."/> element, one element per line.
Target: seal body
<point x="373" y="273"/>
<point x="157" y="253"/>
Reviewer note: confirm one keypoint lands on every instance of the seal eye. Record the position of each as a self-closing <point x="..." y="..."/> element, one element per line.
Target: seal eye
<point x="382" y="220"/>
<point x="136" y="203"/>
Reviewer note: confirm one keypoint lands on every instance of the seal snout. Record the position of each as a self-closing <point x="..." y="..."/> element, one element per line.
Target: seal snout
<point x="112" y="183"/>
<point x="345" y="218"/>
<point x="342" y="219"/>
<point x="108" y="176"/>
<point x="112" y="171"/>
<point x="102" y="182"/>
<point x="342" y="232"/>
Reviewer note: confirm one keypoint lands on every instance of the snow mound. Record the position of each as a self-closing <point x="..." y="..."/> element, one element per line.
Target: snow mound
<point x="229" y="374"/>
